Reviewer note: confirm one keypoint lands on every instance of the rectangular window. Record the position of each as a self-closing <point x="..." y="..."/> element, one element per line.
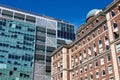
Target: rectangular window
<point x="108" y="57"/>
<point x="81" y="71"/>
<point x="119" y="60"/>
<point x="110" y="69"/>
<point x="96" y="63"/>
<point x="102" y="61"/>
<point x="97" y="74"/>
<point x="85" y="68"/>
<point x="86" y="78"/>
<point x="90" y="65"/>
<point x="103" y="72"/>
<point x="118" y="47"/>
<point x="91" y="76"/>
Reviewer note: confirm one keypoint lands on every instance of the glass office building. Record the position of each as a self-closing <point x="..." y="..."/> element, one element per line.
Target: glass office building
<point x="17" y="47"/>
<point x="27" y="41"/>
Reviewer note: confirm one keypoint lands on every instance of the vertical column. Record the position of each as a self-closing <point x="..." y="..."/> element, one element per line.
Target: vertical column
<point x="112" y="47"/>
<point x="64" y="50"/>
<point x="52" y="68"/>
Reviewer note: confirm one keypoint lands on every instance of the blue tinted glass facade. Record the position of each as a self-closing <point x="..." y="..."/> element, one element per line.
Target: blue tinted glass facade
<point x="65" y="31"/>
<point x="17" y="48"/>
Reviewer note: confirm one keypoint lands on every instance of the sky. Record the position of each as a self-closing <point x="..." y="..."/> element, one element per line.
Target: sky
<point x="73" y="11"/>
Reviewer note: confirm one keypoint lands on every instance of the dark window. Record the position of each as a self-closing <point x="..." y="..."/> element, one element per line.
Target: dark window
<point x="96" y="63"/>
<point x="10" y="73"/>
<point x="81" y="78"/>
<point x="115" y="25"/>
<point x="103" y="72"/>
<point x="91" y="76"/>
<point x="18" y="27"/>
<point x="104" y="27"/>
<point x="0" y="22"/>
<point x="119" y="8"/>
<point x="106" y="38"/>
<point x="108" y="57"/>
<point x="107" y="47"/>
<point x="31" y="30"/>
<point x="4" y="23"/>
<point x="100" y="42"/>
<point x="116" y="35"/>
<point x="21" y="74"/>
<point x="93" y="35"/>
<point x="97" y="21"/>
<point x="112" y="13"/>
<point x="15" y="68"/>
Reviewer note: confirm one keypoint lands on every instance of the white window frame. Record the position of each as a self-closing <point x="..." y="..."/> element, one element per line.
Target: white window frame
<point x="118" y="47"/>
<point x="102" y="62"/>
<point x="110" y="71"/>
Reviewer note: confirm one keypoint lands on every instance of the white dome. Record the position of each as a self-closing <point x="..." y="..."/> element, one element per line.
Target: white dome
<point x="93" y="13"/>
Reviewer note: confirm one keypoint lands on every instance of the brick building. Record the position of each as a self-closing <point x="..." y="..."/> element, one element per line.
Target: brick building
<point x="95" y="54"/>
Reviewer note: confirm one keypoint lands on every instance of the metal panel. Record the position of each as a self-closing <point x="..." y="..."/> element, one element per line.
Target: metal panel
<point x="51" y="24"/>
<point x="51" y="42"/>
<point x="41" y="22"/>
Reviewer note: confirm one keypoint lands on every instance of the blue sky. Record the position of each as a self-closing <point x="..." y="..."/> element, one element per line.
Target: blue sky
<point x="74" y="11"/>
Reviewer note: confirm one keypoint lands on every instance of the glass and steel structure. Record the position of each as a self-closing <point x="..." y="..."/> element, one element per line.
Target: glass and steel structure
<point x="27" y="41"/>
<point x="17" y="48"/>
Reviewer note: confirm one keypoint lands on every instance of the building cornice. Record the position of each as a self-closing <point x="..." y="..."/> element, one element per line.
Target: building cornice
<point x="90" y="31"/>
<point x="83" y="26"/>
<point x="110" y="6"/>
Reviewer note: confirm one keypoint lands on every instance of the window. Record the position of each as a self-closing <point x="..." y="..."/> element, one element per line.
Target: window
<point x="104" y="27"/>
<point x="83" y="42"/>
<point x="88" y="38"/>
<point x="95" y="53"/>
<point x="82" y="31"/>
<point x="84" y="54"/>
<point x="86" y="78"/>
<point x="81" y="71"/>
<point x="118" y="47"/>
<point x="107" y="47"/>
<point x="90" y="65"/>
<point x="85" y="68"/>
<point x="76" y="72"/>
<point x="111" y="78"/>
<point x="115" y="25"/>
<point x="112" y="13"/>
<point x="91" y="76"/>
<point x="80" y="78"/>
<point x="106" y="38"/>
<point x="87" y="28"/>
<point x="97" y="74"/>
<point x="96" y="63"/>
<point x="89" y="51"/>
<point x="97" y="20"/>
<point x="94" y="45"/>
<point x="93" y="35"/>
<point x="102" y="61"/>
<point x="76" y="59"/>
<point x="108" y="57"/>
<point x="110" y="69"/>
<point x="119" y="60"/>
<point x="100" y="42"/>
<point x="103" y="72"/>
<point x="99" y="31"/>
